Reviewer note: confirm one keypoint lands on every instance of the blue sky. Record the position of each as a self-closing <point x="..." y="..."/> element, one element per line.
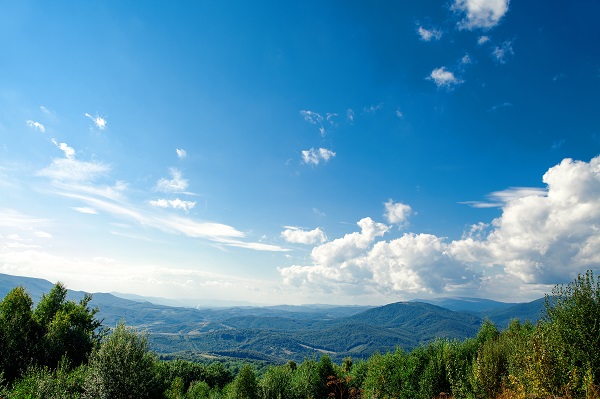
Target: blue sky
<point x="308" y="152"/>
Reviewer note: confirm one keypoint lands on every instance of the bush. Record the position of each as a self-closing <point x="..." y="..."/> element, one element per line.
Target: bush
<point x="123" y="367"/>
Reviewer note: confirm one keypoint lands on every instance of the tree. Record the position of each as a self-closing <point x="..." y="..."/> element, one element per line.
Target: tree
<point x="573" y="312"/>
<point x="69" y="329"/>
<point x="122" y="367"/>
<point x="244" y="386"/>
<point x="276" y="383"/>
<point x="18" y="334"/>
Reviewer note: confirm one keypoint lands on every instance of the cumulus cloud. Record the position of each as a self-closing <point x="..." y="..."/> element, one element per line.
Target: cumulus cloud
<point x="297" y="235"/>
<point x="98" y="121"/>
<point x="69" y="151"/>
<point x="314" y="157"/>
<point x="480" y="14"/>
<point x="429" y="34"/>
<point x="36" y="126"/>
<point x="176" y="184"/>
<point x="175" y="204"/>
<point x="502" y="52"/>
<point x="444" y="78"/>
<point x="181" y="153"/>
<point x="542" y="237"/>
<point x="397" y="212"/>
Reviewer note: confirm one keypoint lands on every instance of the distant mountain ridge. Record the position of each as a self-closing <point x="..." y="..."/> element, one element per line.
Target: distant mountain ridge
<point x="281" y="333"/>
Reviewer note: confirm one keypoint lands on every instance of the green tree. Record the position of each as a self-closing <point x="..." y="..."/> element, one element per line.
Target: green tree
<point x="574" y="313"/>
<point x="122" y="367"/>
<point x="244" y="386"/>
<point x="69" y="329"/>
<point x="19" y="334"/>
<point x="276" y="383"/>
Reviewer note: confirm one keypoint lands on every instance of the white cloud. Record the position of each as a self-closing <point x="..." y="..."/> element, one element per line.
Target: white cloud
<point x="444" y="78"/>
<point x="298" y="236"/>
<point x="498" y="199"/>
<point x="86" y="210"/>
<point x="181" y="153"/>
<point x="315" y="119"/>
<point x="350" y="115"/>
<point x="372" y="108"/>
<point x="429" y="34"/>
<point x="99" y="122"/>
<point x="69" y="151"/>
<point x="175" y="185"/>
<point x="312" y="117"/>
<point x="399" y="114"/>
<point x="482" y="40"/>
<point x="502" y="52"/>
<point x="175" y="204"/>
<point x="542" y="237"/>
<point x="66" y="169"/>
<point x="397" y="212"/>
<point x="36" y="126"/>
<point x="44" y="110"/>
<point x="503" y="105"/>
<point x="314" y="157"/>
<point x="466" y="60"/>
<point x="483" y="14"/>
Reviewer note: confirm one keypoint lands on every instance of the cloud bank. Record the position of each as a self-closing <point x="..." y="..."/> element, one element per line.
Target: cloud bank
<point x="542" y="237"/>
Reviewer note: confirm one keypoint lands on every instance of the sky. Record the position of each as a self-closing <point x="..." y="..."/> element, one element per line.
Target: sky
<point x="337" y="152"/>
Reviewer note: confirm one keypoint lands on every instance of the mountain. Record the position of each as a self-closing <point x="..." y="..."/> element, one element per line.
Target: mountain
<point x="470" y="305"/>
<point x="280" y="333"/>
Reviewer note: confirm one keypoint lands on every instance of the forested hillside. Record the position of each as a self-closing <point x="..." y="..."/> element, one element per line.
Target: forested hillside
<point x="57" y="349"/>
<point x="276" y="334"/>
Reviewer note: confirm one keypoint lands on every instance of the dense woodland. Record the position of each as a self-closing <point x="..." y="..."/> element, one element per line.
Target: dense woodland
<point x="59" y="349"/>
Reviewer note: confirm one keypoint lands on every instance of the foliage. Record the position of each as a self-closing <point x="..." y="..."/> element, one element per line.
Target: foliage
<point x="18" y="333"/>
<point x="245" y="385"/>
<point x="122" y="367"/>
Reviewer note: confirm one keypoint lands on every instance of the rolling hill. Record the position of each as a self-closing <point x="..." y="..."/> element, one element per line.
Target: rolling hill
<point x="280" y="333"/>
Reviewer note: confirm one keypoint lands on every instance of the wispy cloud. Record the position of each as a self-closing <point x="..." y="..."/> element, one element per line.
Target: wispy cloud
<point x="36" y="126"/>
<point x="65" y="169"/>
<point x="399" y="114"/>
<point x="175" y="204"/>
<point x="45" y="110"/>
<point x="98" y="121"/>
<point x="444" y="78"/>
<point x="498" y="199"/>
<point x="502" y="52"/>
<point x="503" y="105"/>
<point x="558" y="143"/>
<point x="480" y="14"/>
<point x="315" y="119"/>
<point x="314" y="157"/>
<point x="372" y="108"/>
<point x="350" y="115"/>
<point x="428" y="35"/>
<point x="297" y="235"/>
<point x="482" y="40"/>
<point x="181" y="153"/>
<point x="86" y="210"/>
<point x="176" y="184"/>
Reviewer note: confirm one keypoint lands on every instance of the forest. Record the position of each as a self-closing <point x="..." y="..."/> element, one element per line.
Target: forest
<point x="59" y="349"/>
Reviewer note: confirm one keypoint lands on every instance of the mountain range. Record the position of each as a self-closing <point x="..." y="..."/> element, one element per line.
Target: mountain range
<point x="280" y="333"/>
